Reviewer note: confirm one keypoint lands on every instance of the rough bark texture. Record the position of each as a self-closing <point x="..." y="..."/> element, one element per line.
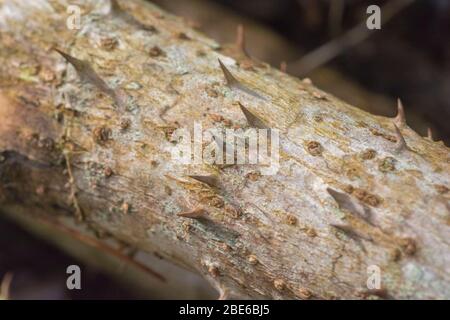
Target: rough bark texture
<point x="348" y="194"/>
<point x="219" y="23"/>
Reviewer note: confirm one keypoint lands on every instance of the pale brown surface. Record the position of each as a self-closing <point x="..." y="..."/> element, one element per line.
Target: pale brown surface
<point x="279" y="236"/>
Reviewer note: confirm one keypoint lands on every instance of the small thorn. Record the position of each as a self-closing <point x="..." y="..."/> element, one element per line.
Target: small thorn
<point x="231" y="80"/>
<point x="430" y="134"/>
<point x="240" y="39"/>
<point x="193" y="214"/>
<point x="401" y="143"/>
<point x="400" y="119"/>
<point x="209" y="180"/>
<point x="252" y="120"/>
<point x="345" y="202"/>
<point x="283" y="66"/>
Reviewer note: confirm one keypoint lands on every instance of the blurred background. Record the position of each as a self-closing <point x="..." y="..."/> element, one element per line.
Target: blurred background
<point x="324" y="40"/>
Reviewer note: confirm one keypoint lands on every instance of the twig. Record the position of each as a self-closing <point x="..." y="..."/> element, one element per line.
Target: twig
<point x="335" y="47"/>
<point x="101" y="246"/>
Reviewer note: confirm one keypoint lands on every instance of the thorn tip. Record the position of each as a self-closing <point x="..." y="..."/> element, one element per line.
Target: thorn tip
<point x="209" y="180"/>
<point x="401" y="143"/>
<point x="193" y="214"/>
<point x="231" y="80"/>
<point x="400" y="119"/>
<point x="252" y="120"/>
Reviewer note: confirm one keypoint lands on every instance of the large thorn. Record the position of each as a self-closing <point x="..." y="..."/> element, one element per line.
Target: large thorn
<point x="400" y="145"/>
<point x="400" y="119"/>
<point x="88" y="74"/>
<point x="252" y="120"/>
<point x="193" y="214"/>
<point x="209" y="180"/>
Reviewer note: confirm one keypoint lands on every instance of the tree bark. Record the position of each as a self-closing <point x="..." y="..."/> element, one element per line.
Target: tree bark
<point x="90" y="140"/>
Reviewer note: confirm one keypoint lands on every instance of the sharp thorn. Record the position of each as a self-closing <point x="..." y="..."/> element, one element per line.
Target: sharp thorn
<point x="400" y="119"/>
<point x="283" y="66"/>
<point x="252" y="120"/>
<point x="88" y="74"/>
<point x="78" y="64"/>
<point x="193" y="214"/>
<point x="209" y="180"/>
<point x="401" y="143"/>
<point x="430" y="134"/>
<point x="233" y="83"/>
<point x="346" y="203"/>
<point x="231" y="80"/>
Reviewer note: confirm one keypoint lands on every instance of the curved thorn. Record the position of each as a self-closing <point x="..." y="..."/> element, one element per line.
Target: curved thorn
<point x="400" y="119"/>
<point x="401" y="143"/>
<point x="193" y="214"/>
<point x="252" y="120"/>
<point x="209" y="180"/>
